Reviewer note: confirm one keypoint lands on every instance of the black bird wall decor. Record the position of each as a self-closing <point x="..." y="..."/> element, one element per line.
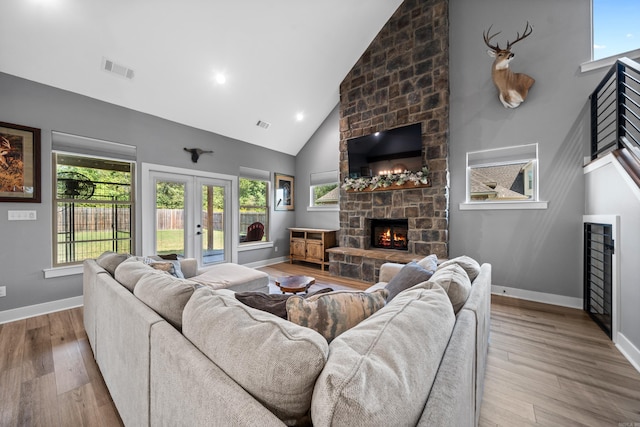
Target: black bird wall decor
<point x="196" y="152"/>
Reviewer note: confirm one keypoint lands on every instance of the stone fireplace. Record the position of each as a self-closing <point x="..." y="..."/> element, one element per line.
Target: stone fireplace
<point x="401" y="79"/>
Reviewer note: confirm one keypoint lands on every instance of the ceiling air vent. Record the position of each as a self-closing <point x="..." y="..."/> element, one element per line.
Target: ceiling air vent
<point x="121" y="70"/>
<point x="263" y="125"/>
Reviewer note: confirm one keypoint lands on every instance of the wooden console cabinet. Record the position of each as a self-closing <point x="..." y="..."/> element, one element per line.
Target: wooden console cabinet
<point x="310" y="244"/>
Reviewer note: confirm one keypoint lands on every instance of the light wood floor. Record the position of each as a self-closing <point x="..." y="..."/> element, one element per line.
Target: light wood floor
<point x="547" y="365"/>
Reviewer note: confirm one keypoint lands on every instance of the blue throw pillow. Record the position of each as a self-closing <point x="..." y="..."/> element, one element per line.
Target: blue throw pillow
<point x="409" y="276"/>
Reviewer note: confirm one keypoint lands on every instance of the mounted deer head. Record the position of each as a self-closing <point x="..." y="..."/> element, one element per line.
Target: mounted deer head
<point x="513" y="87"/>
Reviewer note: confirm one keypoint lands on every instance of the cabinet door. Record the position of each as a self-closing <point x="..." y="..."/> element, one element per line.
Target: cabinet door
<point x="315" y="251"/>
<point x="297" y="248"/>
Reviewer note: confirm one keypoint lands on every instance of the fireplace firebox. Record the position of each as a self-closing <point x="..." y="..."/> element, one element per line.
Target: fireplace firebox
<point x="390" y="234"/>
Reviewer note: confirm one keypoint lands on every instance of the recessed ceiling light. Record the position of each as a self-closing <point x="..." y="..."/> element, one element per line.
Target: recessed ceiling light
<point x="221" y="78"/>
<point x="300" y="117"/>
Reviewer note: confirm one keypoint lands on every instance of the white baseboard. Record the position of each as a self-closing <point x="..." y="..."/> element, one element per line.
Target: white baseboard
<point x="629" y="351"/>
<point x="267" y="262"/>
<point x="39" y="309"/>
<point x="553" y="299"/>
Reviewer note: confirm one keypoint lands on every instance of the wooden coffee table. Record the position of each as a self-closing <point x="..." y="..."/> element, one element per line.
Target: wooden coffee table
<point x="295" y="284"/>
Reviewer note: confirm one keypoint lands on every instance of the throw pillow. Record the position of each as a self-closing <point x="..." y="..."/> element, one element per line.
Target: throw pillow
<point x="276" y="361"/>
<point x="171" y="267"/>
<point x="469" y="264"/>
<point x="171" y="257"/>
<point x="410" y="275"/>
<point x="455" y="282"/>
<point x="335" y="312"/>
<point x="429" y="262"/>
<point x="272" y="303"/>
<point x="110" y="260"/>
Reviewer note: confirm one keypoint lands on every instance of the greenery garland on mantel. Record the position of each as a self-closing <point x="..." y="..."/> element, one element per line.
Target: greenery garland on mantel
<point x="394" y="181"/>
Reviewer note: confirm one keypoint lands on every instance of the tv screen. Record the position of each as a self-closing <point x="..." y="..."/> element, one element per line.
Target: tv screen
<point x="382" y="153"/>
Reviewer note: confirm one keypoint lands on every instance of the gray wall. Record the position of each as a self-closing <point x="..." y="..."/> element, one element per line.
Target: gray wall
<point x="536" y="250"/>
<point x="26" y="245"/>
<point x="320" y="154"/>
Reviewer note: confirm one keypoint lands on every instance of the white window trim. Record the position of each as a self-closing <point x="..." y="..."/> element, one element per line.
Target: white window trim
<point x="328" y="208"/>
<point x="469" y="205"/>
<point x="608" y="61"/>
<point x="485" y="206"/>
<point x="252" y="246"/>
<point x="261" y="175"/>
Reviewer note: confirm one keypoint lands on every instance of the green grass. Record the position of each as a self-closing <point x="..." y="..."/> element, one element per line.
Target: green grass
<point x="168" y="241"/>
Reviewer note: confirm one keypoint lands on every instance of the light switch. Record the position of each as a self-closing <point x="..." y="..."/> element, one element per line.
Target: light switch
<point x="22" y="215"/>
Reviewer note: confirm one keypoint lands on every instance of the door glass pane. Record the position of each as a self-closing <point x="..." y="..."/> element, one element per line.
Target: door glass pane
<point x="212" y="224"/>
<point x="170" y="215"/>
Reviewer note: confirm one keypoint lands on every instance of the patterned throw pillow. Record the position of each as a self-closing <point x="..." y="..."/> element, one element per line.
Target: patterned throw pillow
<point x="335" y="312"/>
<point x="272" y="303"/>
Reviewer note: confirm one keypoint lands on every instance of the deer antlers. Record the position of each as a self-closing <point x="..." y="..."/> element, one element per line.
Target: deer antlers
<point x="528" y="29"/>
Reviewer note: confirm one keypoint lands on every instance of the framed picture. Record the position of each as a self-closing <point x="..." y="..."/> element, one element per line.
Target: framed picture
<point x="284" y="192"/>
<point x="19" y="163"/>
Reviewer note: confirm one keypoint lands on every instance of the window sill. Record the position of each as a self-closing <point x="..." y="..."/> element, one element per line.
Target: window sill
<point x="482" y="206"/>
<point x="242" y="247"/>
<point x="335" y="208"/>
<point x="69" y="270"/>
<point x="608" y="61"/>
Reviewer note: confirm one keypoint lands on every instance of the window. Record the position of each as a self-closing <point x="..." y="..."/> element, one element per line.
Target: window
<point x="94" y="207"/>
<point x="503" y="178"/>
<point x="324" y="190"/>
<point x="615" y="27"/>
<point x="254" y="205"/>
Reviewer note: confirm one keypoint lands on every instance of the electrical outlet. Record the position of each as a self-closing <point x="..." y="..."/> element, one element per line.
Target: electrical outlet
<point x="275" y="248"/>
<point x="3" y="291"/>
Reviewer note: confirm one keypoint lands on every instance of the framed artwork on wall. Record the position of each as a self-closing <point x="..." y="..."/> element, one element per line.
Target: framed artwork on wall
<point x="284" y="200"/>
<point x="19" y="163"/>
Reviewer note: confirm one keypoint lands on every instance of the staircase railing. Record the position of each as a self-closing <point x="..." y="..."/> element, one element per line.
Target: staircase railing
<point x="615" y="111"/>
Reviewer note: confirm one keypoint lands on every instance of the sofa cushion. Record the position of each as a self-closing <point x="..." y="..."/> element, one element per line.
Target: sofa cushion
<point x="410" y="275"/>
<point x="276" y="361"/>
<point x="229" y="275"/>
<point x="111" y="260"/>
<point x="271" y="303"/>
<point x="130" y="271"/>
<point x="469" y="265"/>
<point x="429" y="262"/>
<point x="166" y="295"/>
<point x="380" y="372"/>
<point x="454" y="280"/>
<point x="335" y="312"/>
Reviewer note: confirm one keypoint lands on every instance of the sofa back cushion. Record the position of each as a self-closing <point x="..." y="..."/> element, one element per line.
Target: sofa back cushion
<point x="166" y="295"/>
<point x="454" y="280"/>
<point x="130" y="271"/>
<point x="380" y="372"/>
<point x="470" y="265"/>
<point x="111" y="260"/>
<point x="275" y="360"/>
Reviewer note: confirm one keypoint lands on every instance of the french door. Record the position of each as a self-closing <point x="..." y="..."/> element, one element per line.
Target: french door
<point x="188" y="215"/>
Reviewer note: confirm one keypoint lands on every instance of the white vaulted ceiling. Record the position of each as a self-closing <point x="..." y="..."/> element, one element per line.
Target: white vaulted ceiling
<point x="280" y="57"/>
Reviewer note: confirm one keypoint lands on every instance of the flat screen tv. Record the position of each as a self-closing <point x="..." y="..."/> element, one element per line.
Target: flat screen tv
<point x="389" y="151"/>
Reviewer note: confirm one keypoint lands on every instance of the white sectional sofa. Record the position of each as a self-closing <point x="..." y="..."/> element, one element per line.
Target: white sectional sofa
<point x="413" y="362"/>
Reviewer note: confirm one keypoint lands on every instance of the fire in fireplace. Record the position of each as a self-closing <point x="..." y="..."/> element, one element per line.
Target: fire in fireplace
<point x="390" y="234"/>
